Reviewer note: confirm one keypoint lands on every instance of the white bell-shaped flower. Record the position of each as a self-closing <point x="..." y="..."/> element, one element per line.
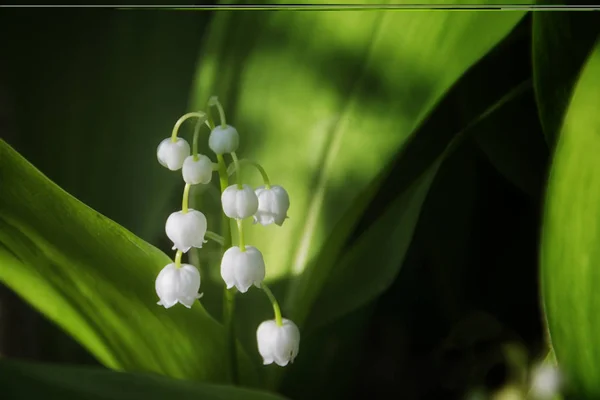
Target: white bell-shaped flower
<point x="223" y="140"/>
<point x="273" y="204"/>
<point x="242" y="269"/>
<point x="178" y="285"/>
<point x="197" y="171"/>
<point x="279" y="344"/>
<point x="546" y="382"/>
<point x="239" y="203"/>
<point x="186" y="230"/>
<point x="172" y="154"/>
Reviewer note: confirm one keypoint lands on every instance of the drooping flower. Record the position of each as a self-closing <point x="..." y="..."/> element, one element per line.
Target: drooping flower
<point x="239" y="203"/>
<point x="223" y="140"/>
<point x="197" y="171"/>
<point x="172" y="154"/>
<point x="273" y="204"/>
<point x="178" y="285"/>
<point x="279" y="344"/>
<point x="546" y="382"/>
<point x="242" y="269"/>
<point x="186" y="230"/>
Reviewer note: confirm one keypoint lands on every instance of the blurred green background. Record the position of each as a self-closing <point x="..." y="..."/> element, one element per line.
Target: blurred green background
<point x="416" y="147"/>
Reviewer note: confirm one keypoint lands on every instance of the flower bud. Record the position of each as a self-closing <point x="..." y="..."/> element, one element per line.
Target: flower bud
<point x="186" y="230"/>
<point x="197" y="171"/>
<point x="546" y="382"/>
<point x="172" y="154"/>
<point x="239" y="203"/>
<point x="223" y="140"/>
<point x="273" y="204"/>
<point x="242" y="268"/>
<point x="278" y="343"/>
<point x="178" y="285"/>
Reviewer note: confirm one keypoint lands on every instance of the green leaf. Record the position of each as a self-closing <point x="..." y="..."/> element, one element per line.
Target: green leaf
<point x="519" y="152"/>
<point x="326" y="112"/>
<point x="386" y="241"/>
<point x="96" y="280"/>
<point x="93" y="96"/>
<point x="570" y="254"/>
<point x="561" y="43"/>
<point x="22" y="381"/>
<point x="390" y="225"/>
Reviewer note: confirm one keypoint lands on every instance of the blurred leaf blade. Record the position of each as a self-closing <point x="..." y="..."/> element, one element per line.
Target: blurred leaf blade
<point x="94" y="95"/>
<point x="21" y="380"/>
<point x="569" y="250"/>
<point x="340" y="126"/>
<point x="387" y="240"/>
<point x="96" y="280"/>
<point x="561" y="43"/>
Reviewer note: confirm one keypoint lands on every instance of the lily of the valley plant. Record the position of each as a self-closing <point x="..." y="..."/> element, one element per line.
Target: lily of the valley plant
<point x="241" y="266"/>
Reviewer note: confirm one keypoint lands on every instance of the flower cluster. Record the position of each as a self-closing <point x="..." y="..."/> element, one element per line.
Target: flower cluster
<point x="242" y="266"/>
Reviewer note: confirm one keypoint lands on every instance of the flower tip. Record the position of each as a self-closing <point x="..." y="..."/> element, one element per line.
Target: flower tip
<point x="243" y="289"/>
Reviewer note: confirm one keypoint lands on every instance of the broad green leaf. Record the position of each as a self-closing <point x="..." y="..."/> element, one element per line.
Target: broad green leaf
<point x="92" y="97"/>
<point x="325" y="101"/>
<point x="96" y="280"/>
<point x="519" y="151"/>
<point x="561" y="43"/>
<point x="386" y="241"/>
<point x="571" y="232"/>
<point x="20" y="380"/>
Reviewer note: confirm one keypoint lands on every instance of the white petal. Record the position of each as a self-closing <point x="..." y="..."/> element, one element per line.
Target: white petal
<point x="197" y="171"/>
<point x="287" y="343"/>
<point x="223" y="140"/>
<point x="172" y="154"/>
<point x="278" y="343"/>
<point x="268" y="360"/>
<point x="239" y="203"/>
<point x="228" y="200"/>
<point x="227" y="266"/>
<point x="264" y="336"/>
<point x="175" y="285"/>
<point x="273" y="204"/>
<point x="166" y="285"/>
<point x="282" y="204"/>
<point x="249" y="268"/>
<point x="186" y="230"/>
<point x="189" y="278"/>
<point x="293" y="336"/>
<point x="546" y="381"/>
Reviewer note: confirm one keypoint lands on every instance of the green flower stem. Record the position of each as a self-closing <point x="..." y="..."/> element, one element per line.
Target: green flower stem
<point x="215" y="237"/>
<point x="276" y="309"/>
<point x="186" y="198"/>
<point x="209" y="120"/>
<point x="199" y="123"/>
<point x="236" y="164"/>
<point x="229" y="295"/>
<point x="214" y="101"/>
<point x="197" y="114"/>
<point x="178" y="258"/>
<point x="240" y="226"/>
<point x="235" y="167"/>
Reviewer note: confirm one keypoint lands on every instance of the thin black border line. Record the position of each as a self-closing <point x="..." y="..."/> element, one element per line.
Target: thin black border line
<point x="326" y="7"/>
